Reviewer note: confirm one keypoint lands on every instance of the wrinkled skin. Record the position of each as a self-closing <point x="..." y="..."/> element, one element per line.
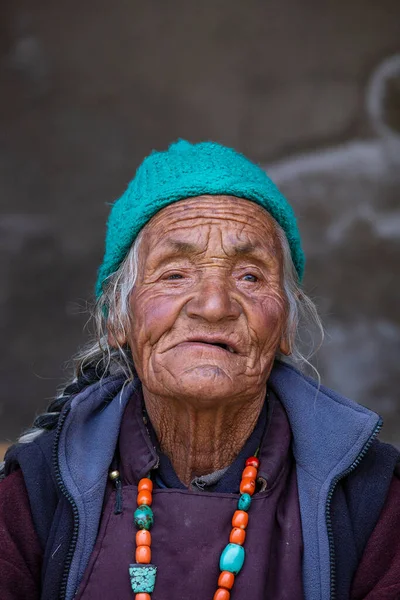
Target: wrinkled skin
<point x="210" y="271"/>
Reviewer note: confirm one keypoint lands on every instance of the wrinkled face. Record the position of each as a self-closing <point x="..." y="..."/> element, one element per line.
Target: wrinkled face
<point x="208" y="309"/>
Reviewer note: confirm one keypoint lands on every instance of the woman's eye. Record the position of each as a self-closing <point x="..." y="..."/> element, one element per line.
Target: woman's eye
<point x="173" y="276"/>
<point x="250" y="277"/>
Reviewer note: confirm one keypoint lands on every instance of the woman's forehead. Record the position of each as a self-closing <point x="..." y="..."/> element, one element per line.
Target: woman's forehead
<point x="242" y="223"/>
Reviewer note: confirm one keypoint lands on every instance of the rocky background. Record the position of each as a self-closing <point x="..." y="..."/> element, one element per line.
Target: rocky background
<point x="311" y="90"/>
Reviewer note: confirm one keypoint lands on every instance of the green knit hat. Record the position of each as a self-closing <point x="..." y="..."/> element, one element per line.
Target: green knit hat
<point x="187" y="170"/>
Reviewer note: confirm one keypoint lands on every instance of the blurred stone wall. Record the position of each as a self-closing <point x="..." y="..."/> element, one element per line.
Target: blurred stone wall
<point x="88" y="88"/>
<point x="348" y="196"/>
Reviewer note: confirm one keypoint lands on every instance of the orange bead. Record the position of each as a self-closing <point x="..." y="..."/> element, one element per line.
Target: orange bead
<point x="144" y="497"/>
<point x="226" y="580"/>
<point x="237" y="536"/>
<point x="145" y="484"/>
<point x="222" y="594"/>
<point x="142" y="596"/>
<point x="240" y="519"/>
<point x="143" y="555"/>
<point x="250" y="472"/>
<point x="247" y="486"/>
<point x="143" y="538"/>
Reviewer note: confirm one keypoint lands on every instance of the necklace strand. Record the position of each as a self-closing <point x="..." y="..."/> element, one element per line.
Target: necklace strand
<point x="143" y="574"/>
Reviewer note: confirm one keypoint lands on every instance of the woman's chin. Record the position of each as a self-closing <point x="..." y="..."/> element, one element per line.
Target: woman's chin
<point x="205" y="384"/>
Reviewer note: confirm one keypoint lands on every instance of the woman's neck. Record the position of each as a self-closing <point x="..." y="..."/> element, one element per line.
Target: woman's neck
<point x="199" y="441"/>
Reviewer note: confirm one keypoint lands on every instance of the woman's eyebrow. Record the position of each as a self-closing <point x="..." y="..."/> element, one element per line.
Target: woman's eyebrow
<point x="170" y="249"/>
<point x="182" y="247"/>
<point x="245" y="249"/>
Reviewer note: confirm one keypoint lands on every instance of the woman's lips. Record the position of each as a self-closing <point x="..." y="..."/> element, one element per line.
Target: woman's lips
<point x="209" y="346"/>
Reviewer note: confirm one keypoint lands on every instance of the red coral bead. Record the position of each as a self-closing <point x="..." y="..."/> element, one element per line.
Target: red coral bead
<point x="250" y="472"/>
<point x="253" y="462"/>
<point x="222" y="594"/>
<point x="226" y="580"/>
<point x="247" y="486"/>
<point x="144" y="497"/>
<point x="143" y="555"/>
<point x="240" y="519"/>
<point x="143" y="538"/>
<point x="237" y="536"/>
<point x="142" y="596"/>
<point x="145" y="484"/>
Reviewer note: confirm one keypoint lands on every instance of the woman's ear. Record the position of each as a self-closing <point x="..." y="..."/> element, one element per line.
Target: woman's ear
<point x="284" y="346"/>
<point x="116" y="339"/>
<point x="116" y="335"/>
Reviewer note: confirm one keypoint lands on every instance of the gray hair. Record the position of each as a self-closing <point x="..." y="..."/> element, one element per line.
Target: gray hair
<point x="111" y="316"/>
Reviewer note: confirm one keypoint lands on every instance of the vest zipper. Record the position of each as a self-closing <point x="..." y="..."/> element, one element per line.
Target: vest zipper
<point x="334" y="483"/>
<point x="64" y="491"/>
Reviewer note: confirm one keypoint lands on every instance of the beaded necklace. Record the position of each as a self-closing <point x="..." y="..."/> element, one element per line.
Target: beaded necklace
<point x="143" y="574"/>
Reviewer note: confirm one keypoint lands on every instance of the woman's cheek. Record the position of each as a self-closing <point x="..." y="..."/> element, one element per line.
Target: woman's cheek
<point x="153" y="315"/>
<point x="270" y="317"/>
<point x="274" y="306"/>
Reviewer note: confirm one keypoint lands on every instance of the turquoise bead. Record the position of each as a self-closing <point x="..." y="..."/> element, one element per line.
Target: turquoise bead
<point x="244" y="502"/>
<point x="143" y="578"/>
<point x="232" y="558"/>
<point x="143" y="517"/>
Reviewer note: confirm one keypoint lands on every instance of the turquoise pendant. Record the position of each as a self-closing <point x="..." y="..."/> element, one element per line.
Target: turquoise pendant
<point x="143" y="578"/>
<point x="232" y="558"/>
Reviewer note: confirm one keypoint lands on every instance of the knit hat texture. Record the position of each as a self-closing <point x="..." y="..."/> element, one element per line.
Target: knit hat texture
<point x="187" y="170"/>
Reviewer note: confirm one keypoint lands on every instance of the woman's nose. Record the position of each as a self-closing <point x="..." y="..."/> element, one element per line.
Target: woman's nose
<point x="213" y="302"/>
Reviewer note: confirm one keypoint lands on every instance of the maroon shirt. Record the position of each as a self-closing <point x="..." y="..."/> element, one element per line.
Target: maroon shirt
<point x="20" y="551"/>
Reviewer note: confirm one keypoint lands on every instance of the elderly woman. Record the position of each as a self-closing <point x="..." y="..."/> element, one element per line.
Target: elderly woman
<point x="186" y="460"/>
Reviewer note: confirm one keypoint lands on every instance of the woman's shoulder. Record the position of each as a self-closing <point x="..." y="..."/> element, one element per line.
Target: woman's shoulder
<point x="34" y="456"/>
<point x="29" y="472"/>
